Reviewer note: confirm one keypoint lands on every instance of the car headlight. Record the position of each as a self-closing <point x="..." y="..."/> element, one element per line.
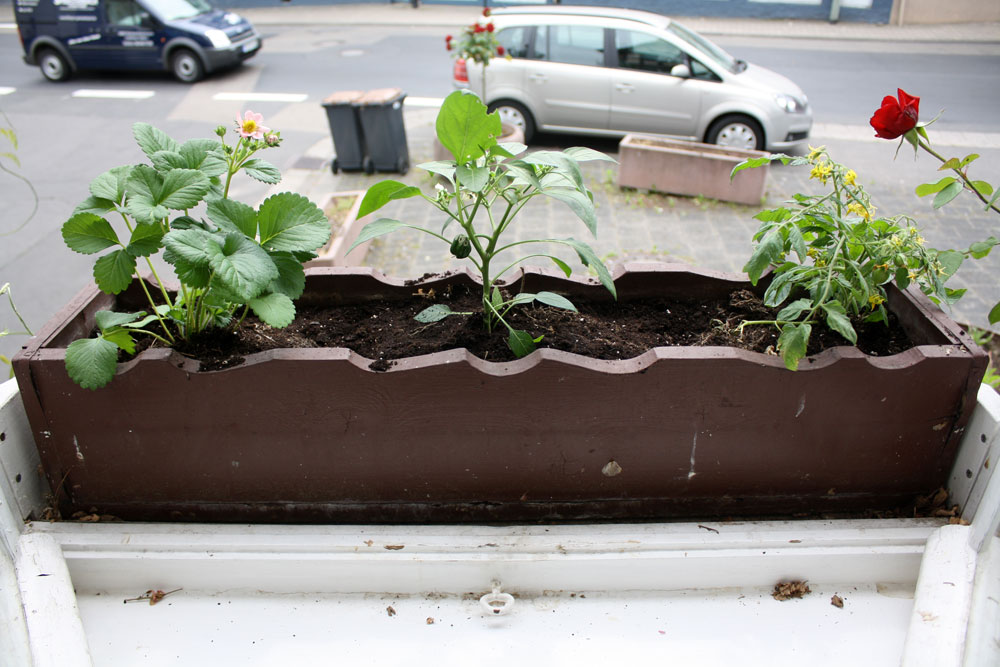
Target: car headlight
<point x="790" y="104"/>
<point x="218" y="38"/>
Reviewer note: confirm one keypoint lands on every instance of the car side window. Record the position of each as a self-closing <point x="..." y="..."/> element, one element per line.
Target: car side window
<point x="572" y="44"/>
<point x="514" y="41"/>
<point x="126" y="13"/>
<point x="699" y="71"/>
<point x="638" y="50"/>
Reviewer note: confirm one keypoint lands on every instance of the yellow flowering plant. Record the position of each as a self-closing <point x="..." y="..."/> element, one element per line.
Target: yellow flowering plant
<point x="831" y="255"/>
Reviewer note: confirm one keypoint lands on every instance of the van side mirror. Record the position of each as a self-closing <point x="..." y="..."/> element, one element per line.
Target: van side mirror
<point x="681" y="71"/>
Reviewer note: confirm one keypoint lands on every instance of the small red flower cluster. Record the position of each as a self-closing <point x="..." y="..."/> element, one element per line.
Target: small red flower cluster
<point x="478" y="42"/>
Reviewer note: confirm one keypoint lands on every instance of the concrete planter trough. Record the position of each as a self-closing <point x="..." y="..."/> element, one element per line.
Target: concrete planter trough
<point x="315" y="435"/>
<point x="341" y="208"/>
<point x="686" y="168"/>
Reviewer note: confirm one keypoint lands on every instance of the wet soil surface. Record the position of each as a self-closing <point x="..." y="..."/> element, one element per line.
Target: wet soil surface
<point x="386" y="330"/>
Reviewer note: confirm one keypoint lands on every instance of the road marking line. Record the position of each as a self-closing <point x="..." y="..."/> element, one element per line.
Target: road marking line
<point x="423" y="101"/>
<point x="4" y="90"/>
<point x="8" y="26"/>
<point x="102" y="93"/>
<point x="260" y="97"/>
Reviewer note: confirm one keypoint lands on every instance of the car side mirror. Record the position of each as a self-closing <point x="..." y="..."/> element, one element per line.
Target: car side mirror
<point x="681" y="71"/>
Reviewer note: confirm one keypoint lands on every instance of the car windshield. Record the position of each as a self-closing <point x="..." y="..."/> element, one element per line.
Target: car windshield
<point x="172" y="10"/>
<point x="713" y="51"/>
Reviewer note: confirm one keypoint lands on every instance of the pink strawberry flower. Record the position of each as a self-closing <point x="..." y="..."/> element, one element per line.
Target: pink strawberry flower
<point x="250" y="126"/>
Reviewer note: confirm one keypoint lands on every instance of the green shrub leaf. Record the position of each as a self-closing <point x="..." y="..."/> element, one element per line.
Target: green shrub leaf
<point x="555" y="300"/>
<point x="836" y="319"/>
<point x="113" y="272"/>
<point x="434" y="313"/>
<point x="521" y="343"/>
<point x="994" y="315"/>
<point x="289" y="221"/>
<point x="578" y="202"/>
<point x="108" y="319"/>
<point x="465" y="128"/>
<point x="947" y="194"/>
<point x="241" y="266"/>
<point x="87" y="234"/>
<point x="291" y="280"/>
<point x="152" y="140"/>
<point x="378" y="228"/>
<point x="384" y="192"/>
<point x="274" y="309"/>
<point x="111" y="184"/>
<point x="792" y="343"/>
<point x="146" y="240"/>
<point x="262" y="171"/>
<point x="593" y="262"/>
<point x="91" y="362"/>
<point x="233" y="216"/>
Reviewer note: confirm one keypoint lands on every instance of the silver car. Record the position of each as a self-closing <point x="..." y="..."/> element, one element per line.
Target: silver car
<point x="609" y="72"/>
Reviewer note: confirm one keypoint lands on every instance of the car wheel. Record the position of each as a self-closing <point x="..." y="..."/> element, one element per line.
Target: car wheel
<point x="736" y="132"/>
<point x="54" y="67"/>
<point x="514" y="114"/>
<point x="186" y="66"/>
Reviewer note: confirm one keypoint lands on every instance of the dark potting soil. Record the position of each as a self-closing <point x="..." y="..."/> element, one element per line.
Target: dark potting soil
<point x="386" y="330"/>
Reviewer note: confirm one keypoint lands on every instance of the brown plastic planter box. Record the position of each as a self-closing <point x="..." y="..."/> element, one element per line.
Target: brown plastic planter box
<point x="315" y="435"/>
<point x="688" y="168"/>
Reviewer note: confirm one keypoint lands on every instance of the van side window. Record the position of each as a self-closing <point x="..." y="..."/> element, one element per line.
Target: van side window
<point x="572" y="44"/>
<point x="514" y="41"/>
<point x="126" y="13"/>
<point x="637" y="50"/>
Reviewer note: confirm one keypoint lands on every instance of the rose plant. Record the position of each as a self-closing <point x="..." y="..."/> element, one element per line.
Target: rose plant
<point x="233" y="260"/>
<point x="478" y="43"/>
<point x="489" y="186"/>
<point x="899" y="117"/>
<point x="832" y="255"/>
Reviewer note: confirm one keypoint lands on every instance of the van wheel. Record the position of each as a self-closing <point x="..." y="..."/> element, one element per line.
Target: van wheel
<point x="186" y="66"/>
<point x="54" y="67"/>
<point x="514" y="114"/>
<point x="736" y="132"/>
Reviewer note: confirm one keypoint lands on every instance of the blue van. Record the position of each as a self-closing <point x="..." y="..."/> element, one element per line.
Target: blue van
<point x="189" y="38"/>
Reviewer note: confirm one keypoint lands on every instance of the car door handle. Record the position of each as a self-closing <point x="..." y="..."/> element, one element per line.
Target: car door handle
<point x="538" y="78"/>
<point x="624" y="87"/>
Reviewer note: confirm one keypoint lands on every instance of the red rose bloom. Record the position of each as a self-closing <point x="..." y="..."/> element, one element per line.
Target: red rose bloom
<point x="896" y="117"/>
<point x="486" y="12"/>
<point x="478" y="28"/>
<point x="489" y="27"/>
<point x="499" y="50"/>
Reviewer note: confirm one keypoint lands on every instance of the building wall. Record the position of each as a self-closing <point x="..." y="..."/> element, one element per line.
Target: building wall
<point x="908" y="12"/>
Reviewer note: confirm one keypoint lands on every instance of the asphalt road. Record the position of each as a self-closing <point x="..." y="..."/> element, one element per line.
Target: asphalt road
<point x="67" y="136"/>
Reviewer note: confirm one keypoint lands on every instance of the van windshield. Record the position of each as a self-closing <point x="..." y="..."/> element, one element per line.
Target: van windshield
<point x="172" y="10"/>
<point x="713" y="51"/>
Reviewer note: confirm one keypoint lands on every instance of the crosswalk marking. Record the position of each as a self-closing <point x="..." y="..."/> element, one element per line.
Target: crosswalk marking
<point x="5" y="90"/>
<point x="111" y="94"/>
<point x="260" y="97"/>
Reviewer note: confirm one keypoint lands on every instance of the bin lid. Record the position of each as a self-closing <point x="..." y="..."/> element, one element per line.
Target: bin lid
<point x="380" y="96"/>
<point x="342" y="97"/>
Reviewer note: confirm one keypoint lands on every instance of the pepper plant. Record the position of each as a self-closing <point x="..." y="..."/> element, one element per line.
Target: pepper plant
<point x="489" y="185"/>
<point x="833" y="256"/>
<point x="234" y="260"/>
